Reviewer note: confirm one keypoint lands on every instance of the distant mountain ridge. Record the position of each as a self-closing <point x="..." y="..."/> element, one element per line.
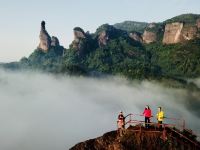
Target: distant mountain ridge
<point x="131" y="26"/>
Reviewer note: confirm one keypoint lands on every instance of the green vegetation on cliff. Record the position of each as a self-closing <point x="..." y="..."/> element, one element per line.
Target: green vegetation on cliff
<point x="111" y="51"/>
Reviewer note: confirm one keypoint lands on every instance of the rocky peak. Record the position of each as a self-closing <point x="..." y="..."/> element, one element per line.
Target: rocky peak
<point x="107" y="32"/>
<point x="79" y="33"/>
<point x="81" y="42"/>
<point x="54" y="41"/>
<point x="45" y="39"/>
<point x="103" y="38"/>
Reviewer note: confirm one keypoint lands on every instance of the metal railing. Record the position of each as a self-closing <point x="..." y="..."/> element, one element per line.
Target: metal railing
<point x="179" y="124"/>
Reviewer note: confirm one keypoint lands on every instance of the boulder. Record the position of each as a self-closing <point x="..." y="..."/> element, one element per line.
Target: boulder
<point x="45" y="39"/>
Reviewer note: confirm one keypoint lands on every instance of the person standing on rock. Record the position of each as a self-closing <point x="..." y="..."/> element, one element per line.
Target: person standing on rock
<point x="121" y="123"/>
<point x="160" y="117"/>
<point x="147" y="115"/>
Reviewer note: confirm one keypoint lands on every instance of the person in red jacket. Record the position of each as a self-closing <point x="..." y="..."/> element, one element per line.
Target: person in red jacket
<point x="147" y="115"/>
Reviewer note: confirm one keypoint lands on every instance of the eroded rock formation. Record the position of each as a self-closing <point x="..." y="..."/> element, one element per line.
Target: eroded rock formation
<point x="179" y="32"/>
<point x="149" y="37"/>
<point x="172" y="33"/>
<point x="103" y="38"/>
<point x="79" y="35"/>
<point x="189" y="32"/>
<point x="198" y="23"/>
<point x="45" y="39"/>
<point x="54" y="41"/>
<point x="136" y="36"/>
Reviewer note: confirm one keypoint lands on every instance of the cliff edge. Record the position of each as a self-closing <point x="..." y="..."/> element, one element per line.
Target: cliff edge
<point x="137" y="138"/>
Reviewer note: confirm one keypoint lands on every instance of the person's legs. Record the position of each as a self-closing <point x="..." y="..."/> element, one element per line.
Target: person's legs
<point x="146" y="121"/>
<point x="160" y="125"/>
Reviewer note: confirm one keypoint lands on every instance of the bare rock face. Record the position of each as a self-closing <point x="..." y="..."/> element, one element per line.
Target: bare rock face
<point x="198" y="23"/>
<point x="133" y="140"/>
<point x="136" y="36"/>
<point x="79" y="35"/>
<point x="54" y="41"/>
<point x="179" y="32"/>
<point x="172" y="33"/>
<point x="103" y="39"/>
<point x="189" y="32"/>
<point x="149" y="37"/>
<point x="45" y="39"/>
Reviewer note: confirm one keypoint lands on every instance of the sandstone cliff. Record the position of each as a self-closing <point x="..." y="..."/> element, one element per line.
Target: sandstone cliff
<point x="45" y="39"/>
<point x="149" y="37"/>
<point x="172" y="33"/>
<point x="179" y="32"/>
<point x="79" y="35"/>
<point x="150" y="33"/>
<point x="198" y="23"/>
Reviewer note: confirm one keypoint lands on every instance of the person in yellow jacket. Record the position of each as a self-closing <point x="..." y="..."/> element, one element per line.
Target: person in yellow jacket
<point x="160" y="117"/>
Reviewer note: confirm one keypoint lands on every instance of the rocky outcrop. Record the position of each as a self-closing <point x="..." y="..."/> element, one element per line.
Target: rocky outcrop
<point x="54" y="41"/>
<point x="172" y="33"/>
<point x="103" y="39"/>
<point x="179" y="32"/>
<point x="108" y="32"/>
<point x="140" y="138"/>
<point x="82" y="42"/>
<point x="136" y="36"/>
<point x="45" y="39"/>
<point x="105" y="33"/>
<point x="149" y="37"/>
<point x="189" y="32"/>
<point x="79" y="35"/>
<point x="198" y="23"/>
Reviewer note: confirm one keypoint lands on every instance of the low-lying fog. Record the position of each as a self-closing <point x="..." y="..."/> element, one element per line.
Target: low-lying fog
<point x="46" y="112"/>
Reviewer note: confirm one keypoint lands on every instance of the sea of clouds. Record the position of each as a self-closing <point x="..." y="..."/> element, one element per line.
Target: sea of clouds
<point x="47" y="112"/>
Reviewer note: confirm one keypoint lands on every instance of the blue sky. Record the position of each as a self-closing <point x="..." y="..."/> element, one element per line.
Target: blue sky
<point x="20" y="19"/>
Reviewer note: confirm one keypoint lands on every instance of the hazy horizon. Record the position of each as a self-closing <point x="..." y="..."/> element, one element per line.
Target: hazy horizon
<point x="20" y="24"/>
